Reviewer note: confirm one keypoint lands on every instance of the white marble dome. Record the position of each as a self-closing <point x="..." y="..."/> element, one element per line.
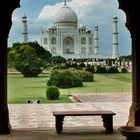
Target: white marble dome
<point x="65" y="15"/>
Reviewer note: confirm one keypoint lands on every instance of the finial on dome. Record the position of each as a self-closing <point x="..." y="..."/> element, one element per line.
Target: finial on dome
<point x="65" y="3"/>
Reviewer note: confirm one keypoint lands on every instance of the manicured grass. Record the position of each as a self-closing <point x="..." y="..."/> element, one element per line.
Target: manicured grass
<point x="104" y="83"/>
<point x="20" y="89"/>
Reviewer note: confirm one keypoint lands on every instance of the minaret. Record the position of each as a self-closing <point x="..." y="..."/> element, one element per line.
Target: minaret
<point x="96" y="40"/>
<point x="115" y="52"/>
<point x="25" y="29"/>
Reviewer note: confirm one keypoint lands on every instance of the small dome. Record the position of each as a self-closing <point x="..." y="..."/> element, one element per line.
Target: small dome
<point x="115" y="17"/>
<point x="65" y="15"/>
<point x="81" y="26"/>
<point x="52" y="26"/>
<point x="96" y="26"/>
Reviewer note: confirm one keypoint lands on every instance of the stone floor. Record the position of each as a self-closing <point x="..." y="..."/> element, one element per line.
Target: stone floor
<point x="78" y="133"/>
<point x="36" y="122"/>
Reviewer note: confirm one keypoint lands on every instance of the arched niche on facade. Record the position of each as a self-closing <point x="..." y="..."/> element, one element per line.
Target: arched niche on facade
<point x="68" y="45"/>
<point x="45" y="41"/>
<point x="53" y="40"/>
<point x="83" y="50"/>
<point x="83" y="40"/>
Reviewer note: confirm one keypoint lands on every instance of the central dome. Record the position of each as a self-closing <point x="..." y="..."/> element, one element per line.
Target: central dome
<point x="65" y="16"/>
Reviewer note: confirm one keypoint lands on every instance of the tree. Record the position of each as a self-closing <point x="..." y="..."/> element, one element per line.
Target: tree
<point x="29" y="54"/>
<point x="17" y="47"/>
<point x="41" y="52"/>
<point x="11" y="58"/>
<point x="28" y="63"/>
<point x="126" y="57"/>
<point x="58" y="60"/>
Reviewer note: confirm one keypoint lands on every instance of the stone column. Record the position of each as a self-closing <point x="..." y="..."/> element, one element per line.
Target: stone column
<point x="133" y="24"/>
<point x="6" y="9"/>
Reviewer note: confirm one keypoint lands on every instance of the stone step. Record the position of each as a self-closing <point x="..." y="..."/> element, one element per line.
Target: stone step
<point x="75" y="99"/>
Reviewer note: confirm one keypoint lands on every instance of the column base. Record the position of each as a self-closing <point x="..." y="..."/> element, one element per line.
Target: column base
<point x="134" y="115"/>
<point x="5" y="126"/>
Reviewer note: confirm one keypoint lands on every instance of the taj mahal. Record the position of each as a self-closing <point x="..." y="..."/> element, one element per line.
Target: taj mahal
<point x="67" y="38"/>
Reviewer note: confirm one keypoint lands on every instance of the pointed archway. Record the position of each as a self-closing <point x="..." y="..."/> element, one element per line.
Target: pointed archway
<point x="68" y="45"/>
<point x="132" y="23"/>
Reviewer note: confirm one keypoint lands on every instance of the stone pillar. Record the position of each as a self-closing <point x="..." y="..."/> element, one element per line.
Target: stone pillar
<point x="6" y="9"/>
<point x="133" y="24"/>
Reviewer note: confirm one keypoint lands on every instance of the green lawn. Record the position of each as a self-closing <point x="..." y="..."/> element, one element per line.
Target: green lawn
<point x="20" y="89"/>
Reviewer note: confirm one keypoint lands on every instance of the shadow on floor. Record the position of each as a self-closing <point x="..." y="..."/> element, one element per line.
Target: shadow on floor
<point x="82" y="133"/>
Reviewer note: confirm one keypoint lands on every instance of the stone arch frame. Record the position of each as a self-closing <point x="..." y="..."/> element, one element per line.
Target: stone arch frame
<point x="68" y="45"/>
<point x="90" y="40"/>
<point x="45" y="41"/>
<point x="83" y="50"/>
<point x="53" y="40"/>
<point x="131" y="10"/>
<point x="83" y="40"/>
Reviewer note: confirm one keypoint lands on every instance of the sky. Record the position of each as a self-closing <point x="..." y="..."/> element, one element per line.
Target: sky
<point x="90" y="13"/>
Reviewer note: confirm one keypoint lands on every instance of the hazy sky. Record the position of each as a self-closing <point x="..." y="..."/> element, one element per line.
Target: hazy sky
<point x="90" y="13"/>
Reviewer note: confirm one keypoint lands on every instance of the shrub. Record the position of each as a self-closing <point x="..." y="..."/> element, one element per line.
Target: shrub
<point x="113" y="70"/>
<point x="79" y="68"/>
<point x="124" y="70"/>
<point x="86" y="76"/>
<point x="100" y="69"/>
<point x="82" y="65"/>
<point x="90" y="69"/>
<point x="52" y="93"/>
<point x="68" y="65"/>
<point x="74" y="65"/>
<point x="30" y="71"/>
<point x="64" y="79"/>
<point x="60" y="67"/>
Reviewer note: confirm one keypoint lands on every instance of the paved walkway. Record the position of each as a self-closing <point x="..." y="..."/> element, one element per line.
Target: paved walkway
<point x="40" y="116"/>
<point x="36" y="122"/>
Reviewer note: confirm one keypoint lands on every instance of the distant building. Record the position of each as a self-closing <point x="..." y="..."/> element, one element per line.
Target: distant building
<point x="66" y="38"/>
